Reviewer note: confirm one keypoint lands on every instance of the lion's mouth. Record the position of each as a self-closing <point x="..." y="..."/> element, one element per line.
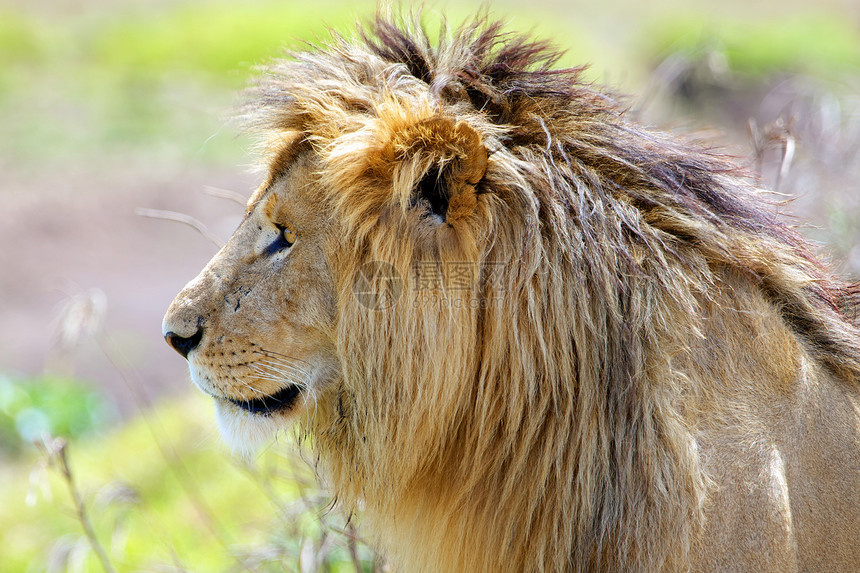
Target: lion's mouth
<point x="280" y="400"/>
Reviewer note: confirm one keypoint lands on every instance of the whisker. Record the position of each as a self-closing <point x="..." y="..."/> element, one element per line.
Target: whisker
<point x="280" y="361"/>
<point x="270" y="373"/>
<point x="252" y="389"/>
<point x="278" y="370"/>
<point x="273" y="354"/>
<point x="283" y="369"/>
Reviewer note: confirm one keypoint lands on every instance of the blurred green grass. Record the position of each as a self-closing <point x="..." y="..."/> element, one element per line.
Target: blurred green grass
<point x="164" y="496"/>
<point x="818" y="43"/>
<point x="163" y="79"/>
<point x="218" y="38"/>
<point x="159" y="80"/>
<point x="32" y="407"/>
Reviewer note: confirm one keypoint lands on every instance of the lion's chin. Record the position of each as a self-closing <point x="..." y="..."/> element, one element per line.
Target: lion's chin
<point x="246" y="432"/>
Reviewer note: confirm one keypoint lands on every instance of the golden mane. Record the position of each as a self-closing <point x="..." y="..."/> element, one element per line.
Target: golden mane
<point x="543" y="415"/>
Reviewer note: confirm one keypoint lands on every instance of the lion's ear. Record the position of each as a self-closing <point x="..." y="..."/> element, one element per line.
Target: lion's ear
<point x="446" y="161"/>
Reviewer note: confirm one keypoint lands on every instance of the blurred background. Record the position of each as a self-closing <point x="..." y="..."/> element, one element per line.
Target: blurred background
<point x="110" y="110"/>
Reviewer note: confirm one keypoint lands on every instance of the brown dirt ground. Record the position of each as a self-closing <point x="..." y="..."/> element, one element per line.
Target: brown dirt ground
<point x="65" y="234"/>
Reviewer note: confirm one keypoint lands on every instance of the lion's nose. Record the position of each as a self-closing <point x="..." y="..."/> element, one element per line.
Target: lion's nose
<point x="184" y="344"/>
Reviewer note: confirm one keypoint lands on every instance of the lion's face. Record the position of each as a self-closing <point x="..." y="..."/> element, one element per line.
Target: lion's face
<point x="256" y="325"/>
<point x="289" y="307"/>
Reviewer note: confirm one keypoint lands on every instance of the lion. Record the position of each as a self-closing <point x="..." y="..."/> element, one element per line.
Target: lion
<point x="522" y="332"/>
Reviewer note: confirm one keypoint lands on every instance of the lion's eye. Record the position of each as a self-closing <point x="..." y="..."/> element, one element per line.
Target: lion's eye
<point x="288" y="236"/>
<point x="285" y="240"/>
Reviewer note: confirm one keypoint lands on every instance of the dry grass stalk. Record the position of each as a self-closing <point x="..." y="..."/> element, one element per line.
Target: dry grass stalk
<point x="181" y="218"/>
<point x="55" y="451"/>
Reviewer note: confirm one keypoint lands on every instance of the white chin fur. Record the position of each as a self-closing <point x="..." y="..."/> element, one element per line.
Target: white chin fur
<point x="244" y="432"/>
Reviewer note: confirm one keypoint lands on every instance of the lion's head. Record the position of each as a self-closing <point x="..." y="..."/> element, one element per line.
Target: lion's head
<point x="261" y="346"/>
<point x="491" y="300"/>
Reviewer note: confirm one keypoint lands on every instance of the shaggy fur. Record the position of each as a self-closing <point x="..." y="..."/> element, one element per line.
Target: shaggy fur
<point x="605" y="352"/>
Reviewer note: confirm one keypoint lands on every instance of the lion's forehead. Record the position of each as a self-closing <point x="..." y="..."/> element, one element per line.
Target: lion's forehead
<point x="280" y="151"/>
